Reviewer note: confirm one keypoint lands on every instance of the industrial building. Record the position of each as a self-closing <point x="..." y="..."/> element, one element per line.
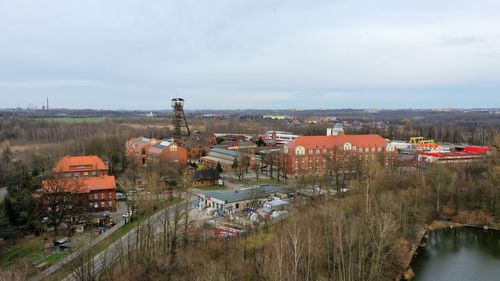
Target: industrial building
<point x="237" y="200"/>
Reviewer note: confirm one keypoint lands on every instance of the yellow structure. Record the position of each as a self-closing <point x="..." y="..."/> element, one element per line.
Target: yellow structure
<point x="416" y="140"/>
<point x="421" y="143"/>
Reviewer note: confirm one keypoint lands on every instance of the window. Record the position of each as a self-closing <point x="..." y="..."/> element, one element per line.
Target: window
<point x="360" y="149"/>
<point x="85" y="173"/>
<point x="103" y="204"/>
<point x="96" y="196"/>
<point x="76" y="174"/>
<point x="379" y="149"/>
<point x="173" y="147"/>
<point x="237" y="205"/>
<point x="102" y="195"/>
<point x="90" y="204"/>
<point x="317" y="151"/>
<point x="367" y="149"/>
<point x="110" y="195"/>
<point x="96" y="205"/>
<point x="310" y="151"/>
<point x="94" y="173"/>
<point x="324" y="150"/>
<point x="110" y="204"/>
<point x="373" y="149"/>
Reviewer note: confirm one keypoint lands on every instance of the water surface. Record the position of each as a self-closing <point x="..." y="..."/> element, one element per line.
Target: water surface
<point x="459" y="254"/>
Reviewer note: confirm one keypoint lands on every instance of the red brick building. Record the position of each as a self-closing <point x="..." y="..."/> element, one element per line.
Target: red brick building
<point x="308" y="155"/>
<point x="86" y="177"/>
<point x="137" y="148"/>
<point x="197" y="147"/>
<point x="166" y="153"/>
<point x="153" y="151"/>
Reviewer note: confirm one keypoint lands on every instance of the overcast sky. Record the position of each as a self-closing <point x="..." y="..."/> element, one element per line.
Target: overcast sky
<point x="250" y="54"/>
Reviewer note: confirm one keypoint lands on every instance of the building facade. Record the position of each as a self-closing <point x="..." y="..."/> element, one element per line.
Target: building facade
<point x="166" y="153"/>
<point x="86" y="179"/>
<point x="312" y="155"/>
<point x="145" y="151"/>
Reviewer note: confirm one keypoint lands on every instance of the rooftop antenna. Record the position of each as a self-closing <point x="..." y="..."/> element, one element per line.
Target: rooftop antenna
<point x="47" y="103"/>
<point x="179" y="119"/>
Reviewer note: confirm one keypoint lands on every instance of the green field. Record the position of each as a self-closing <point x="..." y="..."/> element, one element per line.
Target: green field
<point x="29" y="248"/>
<point x="53" y="258"/>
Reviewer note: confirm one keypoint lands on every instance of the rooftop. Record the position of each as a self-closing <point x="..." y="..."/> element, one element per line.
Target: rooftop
<point x="244" y="194"/>
<point x="80" y="163"/>
<point x="79" y="185"/>
<point x="340" y="139"/>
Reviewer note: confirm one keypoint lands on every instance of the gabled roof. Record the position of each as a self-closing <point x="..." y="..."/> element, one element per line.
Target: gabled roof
<point x="80" y="184"/>
<point x="157" y="149"/>
<point x="196" y="142"/>
<point x="207" y="174"/>
<point x="79" y="164"/>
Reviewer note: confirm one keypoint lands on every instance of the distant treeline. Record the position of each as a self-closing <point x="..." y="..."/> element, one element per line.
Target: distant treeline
<point x="21" y="131"/>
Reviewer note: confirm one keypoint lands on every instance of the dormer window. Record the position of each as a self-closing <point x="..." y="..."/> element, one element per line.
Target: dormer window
<point x="300" y="150"/>
<point x="347" y="146"/>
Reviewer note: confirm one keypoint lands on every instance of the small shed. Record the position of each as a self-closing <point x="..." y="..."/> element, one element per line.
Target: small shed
<point x="206" y="177"/>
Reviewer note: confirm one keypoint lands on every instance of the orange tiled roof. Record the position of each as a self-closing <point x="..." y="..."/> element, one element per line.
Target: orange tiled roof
<point x="362" y="140"/>
<point x="330" y="141"/>
<point x="80" y="163"/>
<point x="80" y="185"/>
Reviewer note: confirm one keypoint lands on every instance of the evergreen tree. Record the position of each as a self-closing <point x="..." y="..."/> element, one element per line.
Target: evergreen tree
<point x="219" y="167"/>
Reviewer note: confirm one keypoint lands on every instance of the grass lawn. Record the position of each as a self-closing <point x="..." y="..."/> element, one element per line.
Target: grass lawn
<point x="115" y="236"/>
<point x="28" y="249"/>
<point x="53" y="258"/>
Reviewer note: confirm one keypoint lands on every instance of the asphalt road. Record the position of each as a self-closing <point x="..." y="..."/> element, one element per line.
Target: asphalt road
<point x="111" y="255"/>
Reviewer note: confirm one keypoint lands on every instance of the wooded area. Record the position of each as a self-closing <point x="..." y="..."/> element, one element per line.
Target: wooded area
<point x="364" y="235"/>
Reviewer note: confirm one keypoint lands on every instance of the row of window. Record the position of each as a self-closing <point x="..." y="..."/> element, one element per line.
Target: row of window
<point x="95" y="205"/>
<point x="85" y="174"/>
<point x="324" y="160"/>
<point x="95" y="196"/>
<point x="301" y="150"/>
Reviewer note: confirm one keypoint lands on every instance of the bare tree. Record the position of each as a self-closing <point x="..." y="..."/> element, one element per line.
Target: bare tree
<point x="63" y="198"/>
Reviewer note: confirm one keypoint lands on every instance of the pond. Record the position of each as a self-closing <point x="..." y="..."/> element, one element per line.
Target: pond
<point x="459" y="254"/>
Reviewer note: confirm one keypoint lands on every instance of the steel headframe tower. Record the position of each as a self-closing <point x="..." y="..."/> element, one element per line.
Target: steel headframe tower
<point x="179" y="119"/>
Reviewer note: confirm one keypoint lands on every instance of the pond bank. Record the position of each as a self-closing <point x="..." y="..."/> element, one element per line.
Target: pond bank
<point x="458" y="254"/>
<point x="407" y="273"/>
